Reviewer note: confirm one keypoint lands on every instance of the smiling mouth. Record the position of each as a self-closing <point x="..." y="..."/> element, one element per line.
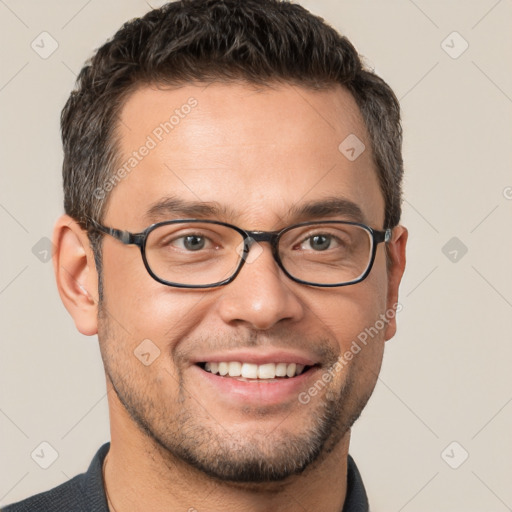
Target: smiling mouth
<point x="249" y="372"/>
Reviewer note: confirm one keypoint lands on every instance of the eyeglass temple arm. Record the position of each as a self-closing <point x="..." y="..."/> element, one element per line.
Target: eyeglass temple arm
<point x="125" y="237"/>
<point x="383" y="236"/>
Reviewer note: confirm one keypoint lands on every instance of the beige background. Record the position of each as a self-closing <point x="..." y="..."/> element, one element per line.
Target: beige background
<point x="446" y="375"/>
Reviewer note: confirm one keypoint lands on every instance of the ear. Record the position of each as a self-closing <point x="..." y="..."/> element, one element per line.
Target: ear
<point x="76" y="275"/>
<point x="396" y="267"/>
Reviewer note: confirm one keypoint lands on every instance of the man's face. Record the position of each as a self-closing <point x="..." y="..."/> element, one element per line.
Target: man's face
<point x="257" y="157"/>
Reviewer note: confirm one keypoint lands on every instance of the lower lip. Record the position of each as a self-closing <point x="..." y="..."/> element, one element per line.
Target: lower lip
<point x="261" y="392"/>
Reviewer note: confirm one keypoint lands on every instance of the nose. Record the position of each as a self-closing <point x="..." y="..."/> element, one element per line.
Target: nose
<point x="261" y="295"/>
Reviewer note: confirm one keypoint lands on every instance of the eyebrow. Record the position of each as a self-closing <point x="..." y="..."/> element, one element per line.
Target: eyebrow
<point x="172" y="207"/>
<point x="329" y="207"/>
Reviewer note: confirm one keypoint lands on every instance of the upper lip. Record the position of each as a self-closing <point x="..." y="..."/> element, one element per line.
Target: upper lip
<point x="257" y="357"/>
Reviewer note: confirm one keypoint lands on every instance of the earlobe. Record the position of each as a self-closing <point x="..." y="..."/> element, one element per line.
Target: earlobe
<point x="396" y="254"/>
<point x="76" y="275"/>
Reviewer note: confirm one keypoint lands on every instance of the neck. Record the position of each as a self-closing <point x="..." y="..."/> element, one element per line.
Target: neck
<point x="140" y="475"/>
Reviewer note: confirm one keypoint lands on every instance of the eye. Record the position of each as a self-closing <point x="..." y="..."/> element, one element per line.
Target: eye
<point x="320" y="242"/>
<point x="191" y="242"/>
<point x="187" y="239"/>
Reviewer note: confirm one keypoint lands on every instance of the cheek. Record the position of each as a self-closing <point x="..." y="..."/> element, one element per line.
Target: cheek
<point x="353" y="317"/>
<point x="348" y="312"/>
<point x="144" y="309"/>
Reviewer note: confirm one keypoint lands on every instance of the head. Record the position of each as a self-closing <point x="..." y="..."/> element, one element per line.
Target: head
<point x="237" y="112"/>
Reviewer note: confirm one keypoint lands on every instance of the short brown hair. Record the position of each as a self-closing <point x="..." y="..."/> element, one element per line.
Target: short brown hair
<point x="256" y="41"/>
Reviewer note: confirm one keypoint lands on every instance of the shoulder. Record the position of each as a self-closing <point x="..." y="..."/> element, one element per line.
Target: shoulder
<point x="356" y="499"/>
<point x="83" y="493"/>
<point x="66" y="497"/>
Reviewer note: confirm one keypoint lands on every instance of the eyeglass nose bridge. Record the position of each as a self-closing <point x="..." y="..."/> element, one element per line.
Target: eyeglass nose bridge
<point x="272" y="237"/>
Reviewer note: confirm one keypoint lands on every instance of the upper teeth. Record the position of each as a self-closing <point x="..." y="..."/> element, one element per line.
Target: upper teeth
<point x="255" y="371"/>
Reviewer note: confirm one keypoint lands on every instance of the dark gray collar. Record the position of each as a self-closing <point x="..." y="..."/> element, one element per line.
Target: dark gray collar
<point x="86" y="492"/>
<point x="355" y="500"/>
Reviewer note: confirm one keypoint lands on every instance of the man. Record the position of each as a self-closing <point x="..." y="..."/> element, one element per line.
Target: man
<point x="232" y="181"/>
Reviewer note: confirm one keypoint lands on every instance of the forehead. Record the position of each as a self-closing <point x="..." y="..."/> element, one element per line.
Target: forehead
<point x="256" y="154"/>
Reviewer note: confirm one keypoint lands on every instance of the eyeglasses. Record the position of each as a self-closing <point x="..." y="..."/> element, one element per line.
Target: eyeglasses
<point x="195" y="253"/>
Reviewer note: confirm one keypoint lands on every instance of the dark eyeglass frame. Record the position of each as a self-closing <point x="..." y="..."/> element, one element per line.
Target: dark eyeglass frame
<point x="249" y="237"/>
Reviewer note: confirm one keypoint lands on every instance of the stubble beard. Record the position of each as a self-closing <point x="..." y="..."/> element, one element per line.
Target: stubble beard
<point x="267" y="455"/>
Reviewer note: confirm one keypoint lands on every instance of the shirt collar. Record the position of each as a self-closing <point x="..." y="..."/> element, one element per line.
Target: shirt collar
<point x="93" y="488"/>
